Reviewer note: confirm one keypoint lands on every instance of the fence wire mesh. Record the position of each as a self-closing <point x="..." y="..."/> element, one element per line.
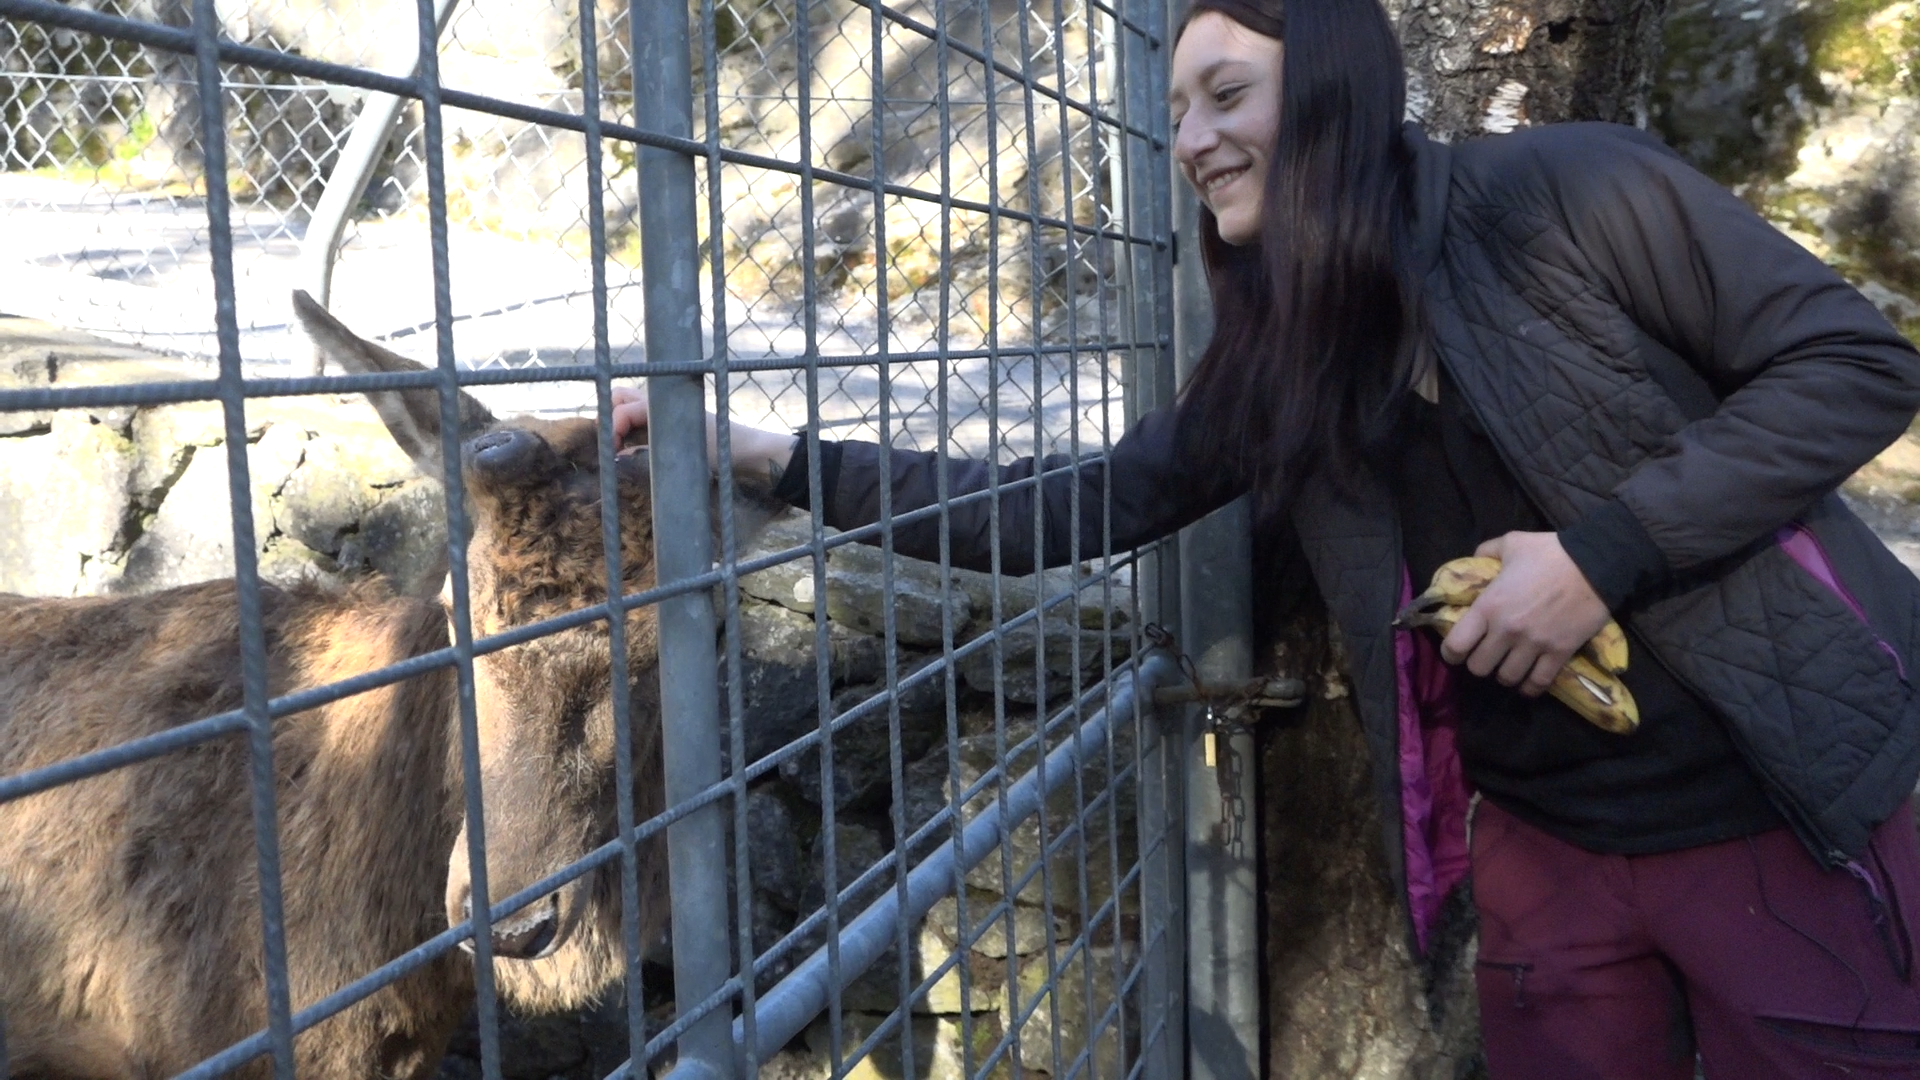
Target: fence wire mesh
<point x="102" y="178"/>
<point x="875" y="814"/>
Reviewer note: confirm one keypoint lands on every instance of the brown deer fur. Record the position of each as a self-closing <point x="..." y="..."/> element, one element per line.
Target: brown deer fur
<point x="130" y="939"/>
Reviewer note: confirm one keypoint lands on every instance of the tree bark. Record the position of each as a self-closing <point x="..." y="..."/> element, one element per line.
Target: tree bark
<point x="1485" y="66"/>
<point x="1345" y="994"/>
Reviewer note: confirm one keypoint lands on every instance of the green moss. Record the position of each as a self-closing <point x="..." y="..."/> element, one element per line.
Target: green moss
<point x="1859" y="43"/>
<point x="1910" y="47"/>
<point x="1794" y="207"/>
<point x="1756" y="136"/>
<point x="140" y="135"/>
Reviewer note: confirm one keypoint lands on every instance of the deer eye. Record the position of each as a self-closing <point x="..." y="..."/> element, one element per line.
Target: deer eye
<point x="573" y="721"/>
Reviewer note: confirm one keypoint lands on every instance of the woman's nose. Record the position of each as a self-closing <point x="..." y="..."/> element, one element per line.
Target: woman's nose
<point x="1194" y="138"/>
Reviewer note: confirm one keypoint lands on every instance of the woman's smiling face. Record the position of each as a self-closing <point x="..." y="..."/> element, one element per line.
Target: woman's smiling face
<point x="1225" y="97"/>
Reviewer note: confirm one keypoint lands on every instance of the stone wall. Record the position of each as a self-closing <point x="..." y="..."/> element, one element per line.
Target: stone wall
<point x="131" y="500"/>
<point x="117" y="500"/>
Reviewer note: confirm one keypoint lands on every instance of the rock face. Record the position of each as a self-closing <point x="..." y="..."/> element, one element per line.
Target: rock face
<point x="136" y="499"/>
<point x="1808" y="111"/>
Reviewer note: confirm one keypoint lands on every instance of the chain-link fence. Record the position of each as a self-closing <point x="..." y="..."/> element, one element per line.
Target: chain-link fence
<point x="876" y="814"/>
<point x="101" y="159"/>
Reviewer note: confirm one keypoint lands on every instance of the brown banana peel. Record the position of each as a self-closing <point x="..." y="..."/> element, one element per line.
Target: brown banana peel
<point x="1589" y="684"/>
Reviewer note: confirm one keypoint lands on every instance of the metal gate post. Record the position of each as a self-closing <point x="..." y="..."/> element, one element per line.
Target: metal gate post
<point x="1143" y="180"/>
<point x="1148" y="375"/>
<point x="683" y="530"/>
<point x="1216" y="629"/>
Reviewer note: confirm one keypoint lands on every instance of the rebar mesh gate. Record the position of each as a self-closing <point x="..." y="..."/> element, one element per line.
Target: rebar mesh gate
<point x="941" y="224"/>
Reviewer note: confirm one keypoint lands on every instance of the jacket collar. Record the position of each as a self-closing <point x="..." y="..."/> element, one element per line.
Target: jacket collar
<point x="1432" y="173"/>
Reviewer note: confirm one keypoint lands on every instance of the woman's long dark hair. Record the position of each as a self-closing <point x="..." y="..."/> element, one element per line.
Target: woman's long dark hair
<point x="1314" y="326"/>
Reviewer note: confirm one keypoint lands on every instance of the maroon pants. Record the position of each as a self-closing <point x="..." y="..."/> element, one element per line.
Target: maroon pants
<point x="1745" y="952"/>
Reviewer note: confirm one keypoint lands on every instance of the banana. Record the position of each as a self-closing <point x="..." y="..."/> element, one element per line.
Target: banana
<point x="1598" y="695"/>
<point x="1440" y="617"/>
<point x="1589" y="684"/>
<point x="1461" y="581"/>
<point x="1608" y="648"/>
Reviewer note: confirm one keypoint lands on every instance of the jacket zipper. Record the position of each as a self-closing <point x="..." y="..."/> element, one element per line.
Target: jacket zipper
<point x="1883" y="914"/>
<point x="1819" y="567"/>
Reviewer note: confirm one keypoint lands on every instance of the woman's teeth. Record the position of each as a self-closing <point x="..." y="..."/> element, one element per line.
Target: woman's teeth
<point x="1223" y="180"/>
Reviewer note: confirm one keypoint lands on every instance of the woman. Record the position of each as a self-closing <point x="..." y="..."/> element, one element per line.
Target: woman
<point x="1564" y="348"/>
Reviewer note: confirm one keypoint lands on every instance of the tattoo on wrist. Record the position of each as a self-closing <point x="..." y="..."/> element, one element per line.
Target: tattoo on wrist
<point x="777" y="465"/>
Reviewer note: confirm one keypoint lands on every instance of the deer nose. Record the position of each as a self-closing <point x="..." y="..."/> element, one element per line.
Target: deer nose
<point x="503" y="449"/>
<point x="528" y="934"/>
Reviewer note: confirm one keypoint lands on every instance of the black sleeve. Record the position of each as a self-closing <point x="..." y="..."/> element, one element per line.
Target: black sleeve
<point x="792" y="488"/>
<point x="1152" y="495"/>
<point x="1614" y="552"/>
<point x="1812" y="380"/>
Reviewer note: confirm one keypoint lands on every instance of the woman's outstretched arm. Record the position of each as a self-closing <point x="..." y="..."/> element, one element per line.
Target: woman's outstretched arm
<point x="1140" y="491"/>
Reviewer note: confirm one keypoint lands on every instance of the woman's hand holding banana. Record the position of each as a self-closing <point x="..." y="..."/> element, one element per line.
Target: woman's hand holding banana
<point x="1512" y="612"/>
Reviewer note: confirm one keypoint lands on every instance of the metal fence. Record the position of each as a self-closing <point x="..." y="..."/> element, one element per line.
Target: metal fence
<point x="943" y="224"/>
<point x="102" y="152"/>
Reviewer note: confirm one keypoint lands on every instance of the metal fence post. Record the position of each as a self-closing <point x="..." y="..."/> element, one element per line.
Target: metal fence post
<point x="1143" y="190"/>
<point x="246" y="569"/>
<point x="1216" y="628"/>
<point x="1148" y="370"/>
<point x="683" y="527"/>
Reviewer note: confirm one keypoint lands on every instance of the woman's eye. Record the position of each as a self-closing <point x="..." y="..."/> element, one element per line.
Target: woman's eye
<point x="1226" y="94"/>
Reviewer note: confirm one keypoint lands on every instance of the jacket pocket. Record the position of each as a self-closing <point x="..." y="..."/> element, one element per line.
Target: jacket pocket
<point x="1805" y="549"/>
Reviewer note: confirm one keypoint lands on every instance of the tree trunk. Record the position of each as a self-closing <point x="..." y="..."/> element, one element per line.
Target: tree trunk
<point x="1345" y="994"/>
<point x="1478" y="66"/>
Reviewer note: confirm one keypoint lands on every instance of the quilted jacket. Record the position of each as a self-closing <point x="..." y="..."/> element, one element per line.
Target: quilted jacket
<point x="1641" y="348"/>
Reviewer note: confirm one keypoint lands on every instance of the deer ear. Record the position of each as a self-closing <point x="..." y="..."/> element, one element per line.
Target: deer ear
<point x="411" y="416"/>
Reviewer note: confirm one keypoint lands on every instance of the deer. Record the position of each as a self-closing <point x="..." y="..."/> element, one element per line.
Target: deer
<point x="130" y="929"/>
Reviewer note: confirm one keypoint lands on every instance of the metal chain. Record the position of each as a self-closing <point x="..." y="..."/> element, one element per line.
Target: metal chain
<point x="1229" y="769"/>
<point x="1228" y="708"/>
